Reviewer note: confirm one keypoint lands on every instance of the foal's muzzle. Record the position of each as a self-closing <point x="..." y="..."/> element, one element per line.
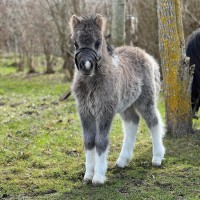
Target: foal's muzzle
<point x="87" y="60"/>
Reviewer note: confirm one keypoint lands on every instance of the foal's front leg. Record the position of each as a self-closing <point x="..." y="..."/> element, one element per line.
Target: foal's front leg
<point x="101" y="144"/>
<point x="89" y="131"/>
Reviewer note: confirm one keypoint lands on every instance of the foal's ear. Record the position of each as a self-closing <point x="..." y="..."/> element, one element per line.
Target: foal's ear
<point x="99" y="20"/>
<point x="74" y="21"/>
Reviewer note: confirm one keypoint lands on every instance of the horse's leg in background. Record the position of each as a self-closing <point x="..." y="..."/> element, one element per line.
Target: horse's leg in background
<point x="154" y="122"/>
<point x="130" y="121"/>
<point x="89" y="131"/>
<point x="101" y="144"/>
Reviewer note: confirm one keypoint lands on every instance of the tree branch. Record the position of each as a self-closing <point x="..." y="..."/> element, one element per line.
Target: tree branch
<point x="191" y="15"/>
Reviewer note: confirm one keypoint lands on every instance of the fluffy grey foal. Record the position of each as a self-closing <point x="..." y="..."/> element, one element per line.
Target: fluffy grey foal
<point x="125" y="82"/>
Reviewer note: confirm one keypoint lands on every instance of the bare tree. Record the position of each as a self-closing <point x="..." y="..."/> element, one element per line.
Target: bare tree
<point x="59" y="11"/>
<point x="3" y="25"/>
<point x="11" y="30"/>
<point x="191" y="15"/>
<point x="46" y="31"/>
<point x="35" y="28"/>
<point x="146" y="34"/>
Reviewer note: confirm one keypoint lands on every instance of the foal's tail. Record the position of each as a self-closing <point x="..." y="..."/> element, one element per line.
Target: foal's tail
<point x="156" y="73"/>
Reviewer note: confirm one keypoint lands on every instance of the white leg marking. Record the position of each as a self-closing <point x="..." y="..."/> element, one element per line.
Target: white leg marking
<point x="130" y="130"/>
<point x="100" y="168"/>
<point x="89" y="165"/>
<point x="157" y="133"/>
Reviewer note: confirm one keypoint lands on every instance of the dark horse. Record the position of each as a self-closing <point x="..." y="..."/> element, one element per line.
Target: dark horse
<point x="193" y="51"/>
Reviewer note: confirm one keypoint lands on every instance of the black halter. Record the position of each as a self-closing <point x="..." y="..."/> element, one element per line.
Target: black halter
<point x="94" y="53"/>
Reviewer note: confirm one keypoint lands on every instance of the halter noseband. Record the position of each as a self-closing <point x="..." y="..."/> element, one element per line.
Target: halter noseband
<point x="94" y="53"/>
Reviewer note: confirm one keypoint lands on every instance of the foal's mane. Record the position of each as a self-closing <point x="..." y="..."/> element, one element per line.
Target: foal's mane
<point x="110" y="49"/>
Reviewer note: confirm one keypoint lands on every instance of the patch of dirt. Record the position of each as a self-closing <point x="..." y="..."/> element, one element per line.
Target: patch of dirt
<point x="15" y="104"/>
<point x="2" y="103"/>
<point x="167" y="186"/>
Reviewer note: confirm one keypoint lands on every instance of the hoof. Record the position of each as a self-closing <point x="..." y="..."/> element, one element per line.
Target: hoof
<point x="87" y="181"/>
<point x="98" y="180"/>
<point x="157" y="161"/>
<point x="122" y="163"/>
<point x="88" y="178"/>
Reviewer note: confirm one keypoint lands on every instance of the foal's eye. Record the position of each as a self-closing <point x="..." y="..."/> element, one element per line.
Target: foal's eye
<point x="76" y="45"/>
<point x="97" y="44"/>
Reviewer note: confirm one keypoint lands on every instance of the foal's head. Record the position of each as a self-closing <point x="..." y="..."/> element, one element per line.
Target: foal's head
<point x="87" y="34"/>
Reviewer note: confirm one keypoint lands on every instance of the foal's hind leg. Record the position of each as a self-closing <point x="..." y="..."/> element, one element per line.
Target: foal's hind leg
<point x="130" y="125"/>
<point x="155" y="125"/>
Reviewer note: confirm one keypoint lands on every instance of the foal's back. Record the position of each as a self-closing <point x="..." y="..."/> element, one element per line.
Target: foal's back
<point x="140" y="76"/>
<point x="138" y="63"/>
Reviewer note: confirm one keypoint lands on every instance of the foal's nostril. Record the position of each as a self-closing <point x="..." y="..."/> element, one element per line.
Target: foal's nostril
<point x="82" y="65"/>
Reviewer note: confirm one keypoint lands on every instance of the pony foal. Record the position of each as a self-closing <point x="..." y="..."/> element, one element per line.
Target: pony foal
<point x="106" y="82"/>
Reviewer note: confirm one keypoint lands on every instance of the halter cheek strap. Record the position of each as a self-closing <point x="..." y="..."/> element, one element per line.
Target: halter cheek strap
<point x="94" y="53"/>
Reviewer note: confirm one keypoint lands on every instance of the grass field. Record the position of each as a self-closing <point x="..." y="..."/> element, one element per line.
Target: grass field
<point x="42" y="154"/>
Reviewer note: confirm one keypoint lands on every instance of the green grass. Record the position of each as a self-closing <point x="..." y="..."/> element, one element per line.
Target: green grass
<point x="7" y="67"/>
<point x="42" y="154"/>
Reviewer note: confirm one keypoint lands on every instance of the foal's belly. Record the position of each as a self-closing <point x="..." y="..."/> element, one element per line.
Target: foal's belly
<point x="127" y="99"/>
<point x="122" y="106"/>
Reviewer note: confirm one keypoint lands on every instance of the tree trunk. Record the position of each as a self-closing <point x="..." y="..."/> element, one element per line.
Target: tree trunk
<point x="49" y="69"/>
<point x="30" y="65"/>
<point x="20" y="66"/>
<point x="175" y="68"/>
<point x="118" y="22"/>
<point x="68" y="67"/>
<point x="21" y="63"/>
